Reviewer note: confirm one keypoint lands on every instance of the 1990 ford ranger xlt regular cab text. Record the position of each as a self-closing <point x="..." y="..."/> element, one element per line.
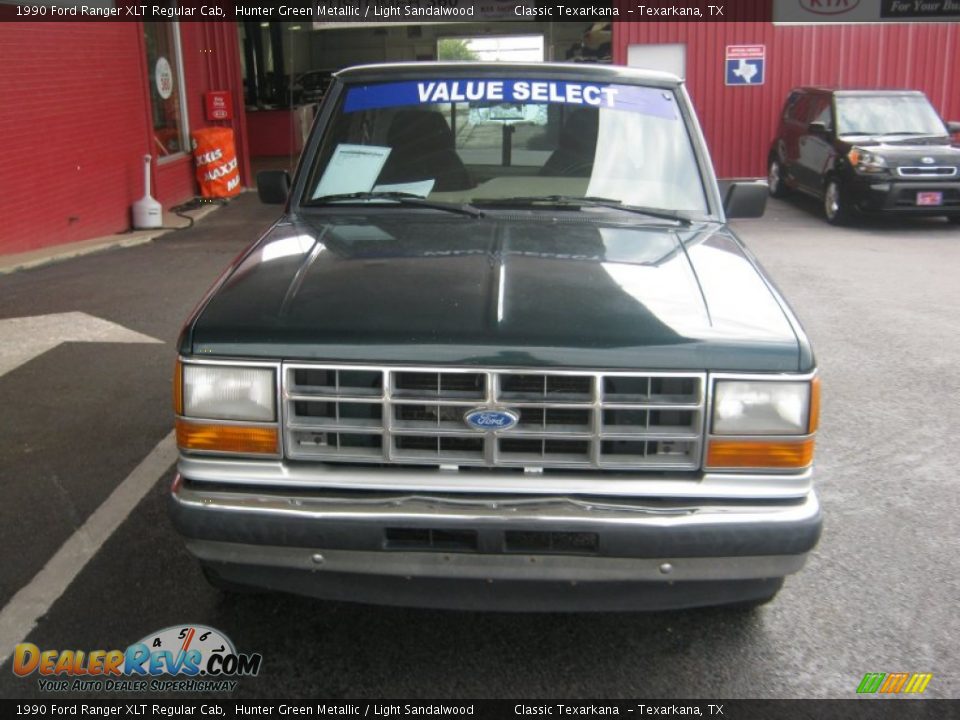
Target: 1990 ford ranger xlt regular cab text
<point x="500" y="351"/>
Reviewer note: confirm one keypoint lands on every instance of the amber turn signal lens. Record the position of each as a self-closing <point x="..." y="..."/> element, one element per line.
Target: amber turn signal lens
<point x="178" y="388"/>
<point x="777" y="454"/>
<point x="226" y="438"/>
<point x="814" y="405"/>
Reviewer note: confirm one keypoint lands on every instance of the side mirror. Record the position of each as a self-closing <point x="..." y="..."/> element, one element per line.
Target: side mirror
<point x="953" y="127"/>
<point x="818" y="128"/>
<point x="273" y="186"/>
<point x="746" y="199"/>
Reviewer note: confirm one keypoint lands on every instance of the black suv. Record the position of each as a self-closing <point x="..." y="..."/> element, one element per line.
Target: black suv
<point x="879" y="151"/>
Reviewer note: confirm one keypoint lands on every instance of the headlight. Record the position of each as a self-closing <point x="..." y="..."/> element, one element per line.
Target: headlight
<point x="866" y="161"/>
<point x="229" y="393"/>
<point x="761" y="408"/>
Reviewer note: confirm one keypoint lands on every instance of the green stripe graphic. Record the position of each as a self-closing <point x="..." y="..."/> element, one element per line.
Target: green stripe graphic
<point x="871" y="682"/>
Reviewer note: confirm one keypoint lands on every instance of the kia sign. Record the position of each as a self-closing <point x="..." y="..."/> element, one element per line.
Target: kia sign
<point x="826" y="11"/>
<point x="829" y="7"/>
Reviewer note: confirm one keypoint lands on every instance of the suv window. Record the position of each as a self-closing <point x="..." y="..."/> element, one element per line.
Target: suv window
<point x="466" y="140"/>
<point x="820" y="110"/>
<point x="793" y="106"/>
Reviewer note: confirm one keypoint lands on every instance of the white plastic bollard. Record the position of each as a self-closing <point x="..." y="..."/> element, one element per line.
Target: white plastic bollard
<point x="147" y="212"/>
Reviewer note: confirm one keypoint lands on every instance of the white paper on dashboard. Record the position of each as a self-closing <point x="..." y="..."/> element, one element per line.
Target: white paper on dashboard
<point x="421" y="187"/>
<point x="353" y="168"/>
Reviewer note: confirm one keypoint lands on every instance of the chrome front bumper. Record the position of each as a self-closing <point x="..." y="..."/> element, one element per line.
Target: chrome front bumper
<point x="485" y="550"/>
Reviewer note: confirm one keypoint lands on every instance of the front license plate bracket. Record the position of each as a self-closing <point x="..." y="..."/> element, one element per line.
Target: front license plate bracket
<point x="929" y="199"/>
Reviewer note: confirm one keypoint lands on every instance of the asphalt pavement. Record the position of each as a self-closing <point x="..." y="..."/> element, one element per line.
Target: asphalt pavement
<point x="879" y="594"/>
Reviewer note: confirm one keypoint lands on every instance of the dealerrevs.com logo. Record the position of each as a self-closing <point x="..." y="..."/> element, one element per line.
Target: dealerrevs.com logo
<point x="199" y="658"/>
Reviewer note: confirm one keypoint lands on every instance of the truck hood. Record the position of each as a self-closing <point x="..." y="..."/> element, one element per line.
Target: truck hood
<point x="419" y="287"/>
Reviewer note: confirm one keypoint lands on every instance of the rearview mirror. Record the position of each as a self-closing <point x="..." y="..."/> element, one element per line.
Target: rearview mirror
<point x="746" y="199"/>
<point x="954" y="127"/>
<point x="273" y="186"/>
<point x="818" y="128"/>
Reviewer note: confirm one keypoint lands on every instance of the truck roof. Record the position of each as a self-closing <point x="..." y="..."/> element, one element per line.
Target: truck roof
<point x="600" y="73"/>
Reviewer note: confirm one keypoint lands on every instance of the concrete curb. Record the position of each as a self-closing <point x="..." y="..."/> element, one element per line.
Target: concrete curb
<point x="57" y="253"/>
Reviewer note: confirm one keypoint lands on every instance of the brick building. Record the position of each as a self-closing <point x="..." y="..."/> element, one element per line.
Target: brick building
<point x="80" y="105"/>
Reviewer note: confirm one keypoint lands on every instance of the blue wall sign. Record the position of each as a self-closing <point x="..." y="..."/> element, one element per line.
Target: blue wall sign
<point x="746" y="64"/>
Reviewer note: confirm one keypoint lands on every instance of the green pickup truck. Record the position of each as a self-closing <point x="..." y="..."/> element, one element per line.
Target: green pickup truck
<point x="500" y="351"/>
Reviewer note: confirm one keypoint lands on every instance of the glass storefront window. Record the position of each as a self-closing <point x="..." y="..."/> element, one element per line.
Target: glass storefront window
<point x="165" y="79"/>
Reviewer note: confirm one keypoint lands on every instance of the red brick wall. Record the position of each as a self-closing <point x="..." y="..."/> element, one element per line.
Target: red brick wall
<point x="74" y="125"/>
<point x="73" y="131"/>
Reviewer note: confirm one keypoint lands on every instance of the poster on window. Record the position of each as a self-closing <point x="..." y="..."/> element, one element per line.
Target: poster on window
<point x="163" y="77"/>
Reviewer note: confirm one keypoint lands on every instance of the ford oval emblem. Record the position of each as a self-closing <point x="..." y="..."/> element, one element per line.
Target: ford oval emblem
<point x="927" y="161"/>
<point x="488" y="420"/>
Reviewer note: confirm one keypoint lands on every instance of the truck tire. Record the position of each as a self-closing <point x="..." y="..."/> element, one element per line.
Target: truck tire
<point x="225" y="586"/>
<point x="746" y="606"/>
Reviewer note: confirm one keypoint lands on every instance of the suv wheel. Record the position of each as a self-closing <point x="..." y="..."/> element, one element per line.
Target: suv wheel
<point x="775" y="179"/>
<point x="834" y="203"/>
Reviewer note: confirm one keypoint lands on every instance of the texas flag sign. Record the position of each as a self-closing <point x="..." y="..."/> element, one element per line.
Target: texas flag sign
<point x="745" y="64"/>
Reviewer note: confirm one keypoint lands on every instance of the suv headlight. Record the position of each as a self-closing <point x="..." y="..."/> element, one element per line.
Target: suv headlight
<point x="763" y="424"/>
<point x="242" y="398"/>
<point x="866" y="161"/>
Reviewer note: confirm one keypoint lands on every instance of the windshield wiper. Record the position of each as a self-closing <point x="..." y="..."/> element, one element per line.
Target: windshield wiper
<point x="402" y="198"/>
<point x="588" y="200"/>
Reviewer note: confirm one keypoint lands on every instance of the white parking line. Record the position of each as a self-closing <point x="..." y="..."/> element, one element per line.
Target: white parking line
<point x="21" y="614"/>
<point x="24" y="338"/>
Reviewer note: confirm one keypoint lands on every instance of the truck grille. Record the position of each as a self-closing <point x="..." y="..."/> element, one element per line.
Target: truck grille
<point x="605" y="421"/>
<point x="926" y="171"/>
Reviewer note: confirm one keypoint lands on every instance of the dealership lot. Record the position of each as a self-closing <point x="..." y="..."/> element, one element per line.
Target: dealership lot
<point x="879" y="302"/>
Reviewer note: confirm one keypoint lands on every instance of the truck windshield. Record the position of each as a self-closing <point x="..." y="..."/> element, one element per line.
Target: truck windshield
<point x="465" y="141"/>
<point x="887" y="115"/>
